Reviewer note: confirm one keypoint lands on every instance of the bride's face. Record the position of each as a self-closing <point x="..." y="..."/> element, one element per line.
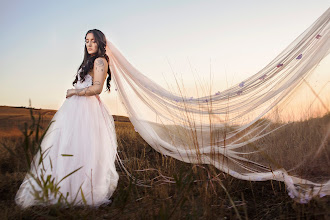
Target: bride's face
<point x="91" y="44"/>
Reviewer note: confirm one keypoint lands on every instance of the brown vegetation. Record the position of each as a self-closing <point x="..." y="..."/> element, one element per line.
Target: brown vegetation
<point x="173" y="189"/>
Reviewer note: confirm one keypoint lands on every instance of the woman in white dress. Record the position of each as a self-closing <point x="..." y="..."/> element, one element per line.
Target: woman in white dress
<point x="81" y="138"/>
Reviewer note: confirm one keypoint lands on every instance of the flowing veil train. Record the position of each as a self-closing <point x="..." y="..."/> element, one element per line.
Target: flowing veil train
<point x="238" y="130"/>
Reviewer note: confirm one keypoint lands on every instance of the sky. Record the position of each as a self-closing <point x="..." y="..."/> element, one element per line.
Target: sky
<point x="43" y="41"/>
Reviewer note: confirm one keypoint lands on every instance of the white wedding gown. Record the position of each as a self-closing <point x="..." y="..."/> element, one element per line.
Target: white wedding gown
<point x="82" y="135"/>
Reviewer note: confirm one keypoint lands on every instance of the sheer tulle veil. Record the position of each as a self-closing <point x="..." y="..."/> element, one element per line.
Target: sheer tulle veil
<point x="239" y="129"/>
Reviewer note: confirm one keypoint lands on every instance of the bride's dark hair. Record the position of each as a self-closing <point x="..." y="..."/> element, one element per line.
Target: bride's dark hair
<point x="88" y="62"/>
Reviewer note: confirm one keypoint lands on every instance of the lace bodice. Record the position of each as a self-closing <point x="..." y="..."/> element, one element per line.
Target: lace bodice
<point x="87" y="82"/>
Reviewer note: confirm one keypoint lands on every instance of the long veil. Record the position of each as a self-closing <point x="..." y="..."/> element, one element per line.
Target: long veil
<point x="246" y="130"/>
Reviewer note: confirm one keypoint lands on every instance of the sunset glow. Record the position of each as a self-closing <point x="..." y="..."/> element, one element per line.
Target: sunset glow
<point x="213" y="43"/>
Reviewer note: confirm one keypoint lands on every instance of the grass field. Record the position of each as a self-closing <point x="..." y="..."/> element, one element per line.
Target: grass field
<point x="175" y="190"/>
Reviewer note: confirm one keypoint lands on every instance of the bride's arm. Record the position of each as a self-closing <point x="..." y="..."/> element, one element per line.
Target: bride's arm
<point x="100" y="72"/>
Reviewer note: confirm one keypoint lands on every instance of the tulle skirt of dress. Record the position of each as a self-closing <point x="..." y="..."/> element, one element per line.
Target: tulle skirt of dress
<point x="82" y="135"/>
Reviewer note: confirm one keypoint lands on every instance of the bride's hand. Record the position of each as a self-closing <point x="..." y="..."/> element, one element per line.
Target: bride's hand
<point x="70" y="92"/>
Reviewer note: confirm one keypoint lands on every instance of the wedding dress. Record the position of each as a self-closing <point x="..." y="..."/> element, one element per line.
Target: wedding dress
<point x="82" y="135"/>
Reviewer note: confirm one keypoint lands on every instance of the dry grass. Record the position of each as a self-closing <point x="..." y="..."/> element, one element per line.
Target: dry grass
<point x="177" y="190"/>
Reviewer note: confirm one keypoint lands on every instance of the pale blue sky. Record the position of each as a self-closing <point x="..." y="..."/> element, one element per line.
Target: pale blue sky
<point x="42" y="41"/>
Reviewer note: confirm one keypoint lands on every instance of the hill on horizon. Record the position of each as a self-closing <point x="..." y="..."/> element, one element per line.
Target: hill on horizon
<point x="12" y="118"/>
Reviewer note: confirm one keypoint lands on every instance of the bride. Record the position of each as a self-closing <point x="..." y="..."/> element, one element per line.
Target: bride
<point x="79" y="149"/>
<point x="228" y="129"/>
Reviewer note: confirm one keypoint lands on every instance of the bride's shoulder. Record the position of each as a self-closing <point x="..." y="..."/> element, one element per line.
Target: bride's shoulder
<point x="100" y="64"/>
<point x="100" y="61"/>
